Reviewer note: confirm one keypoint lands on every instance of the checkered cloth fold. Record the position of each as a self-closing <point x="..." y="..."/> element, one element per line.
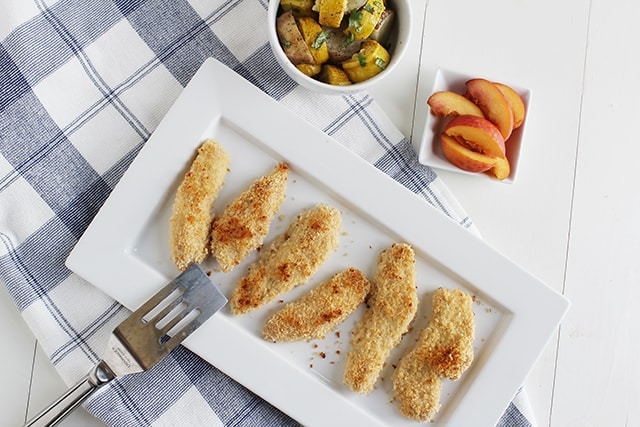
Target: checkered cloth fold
<point x="83" y="84"/>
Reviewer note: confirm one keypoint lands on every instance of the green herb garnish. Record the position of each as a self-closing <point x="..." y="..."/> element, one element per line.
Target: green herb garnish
<point x="381" y="63"/>
<point x="285" y="43"/>
<point x="362" y="60"/>
<point x="355" y="20"/>
<point x="321" y="38"/>
<point x="348" y="39"/>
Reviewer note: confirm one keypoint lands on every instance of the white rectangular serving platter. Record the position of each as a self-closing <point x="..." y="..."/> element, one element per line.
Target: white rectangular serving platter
<point x="125" y="253"/>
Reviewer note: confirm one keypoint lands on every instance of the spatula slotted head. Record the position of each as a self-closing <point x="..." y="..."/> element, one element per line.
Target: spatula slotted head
<point x="171" y="315"/>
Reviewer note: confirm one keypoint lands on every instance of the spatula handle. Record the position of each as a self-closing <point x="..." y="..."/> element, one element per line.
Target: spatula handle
<point x="54" y="413"/>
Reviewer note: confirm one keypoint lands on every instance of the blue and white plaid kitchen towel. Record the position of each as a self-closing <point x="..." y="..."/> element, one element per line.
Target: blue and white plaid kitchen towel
<point x="83" y="85"/>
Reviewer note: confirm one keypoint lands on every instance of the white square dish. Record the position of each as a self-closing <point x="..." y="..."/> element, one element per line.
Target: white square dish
<point x="430" y="152"/>
<point x="127" y="243"/>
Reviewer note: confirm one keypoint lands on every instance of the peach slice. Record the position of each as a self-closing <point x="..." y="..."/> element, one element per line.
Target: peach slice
<point x="465" y="158"/>
<point x="476" y="134"/>
<point x="447" y="103"/>
<point x="515" y="101"/>
<point x="493" y="103"/>
<point x="502" y="169"/>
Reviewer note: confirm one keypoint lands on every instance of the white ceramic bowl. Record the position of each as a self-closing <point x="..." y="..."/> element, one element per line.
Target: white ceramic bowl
<point x="399" y="43"/>
<point x="430" y="152"/>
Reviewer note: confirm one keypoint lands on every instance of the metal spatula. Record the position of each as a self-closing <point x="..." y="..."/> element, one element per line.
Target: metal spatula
<point x="145" y="337"/>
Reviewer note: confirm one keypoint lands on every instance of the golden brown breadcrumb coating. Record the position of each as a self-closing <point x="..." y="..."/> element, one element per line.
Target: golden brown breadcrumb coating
<point x="190" y="222"/>
<point x="444" y="349"/>
<point x="290" y="259"/>
<point x="320" y="310"/>
<point x="392" y="305"/>
<point x="244" y="224"/>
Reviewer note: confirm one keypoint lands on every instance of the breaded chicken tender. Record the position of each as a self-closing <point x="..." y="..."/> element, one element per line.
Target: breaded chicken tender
<point x="190" y="223"/>
<point x="290" y="259"/>
<point x="320" y="310"/>
<point x="444" y="349"/>
<point x="392" y="305"/>
<point x="244" y="224"/>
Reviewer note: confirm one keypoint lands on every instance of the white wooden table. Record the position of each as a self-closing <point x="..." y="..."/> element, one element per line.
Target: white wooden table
<point x="572" y="218"/>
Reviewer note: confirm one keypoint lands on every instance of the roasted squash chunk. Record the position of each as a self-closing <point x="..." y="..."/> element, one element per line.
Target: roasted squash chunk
<point x="331" y="12"/>
<point x="309" y="69"/>
<point x="363" y="21"/>
<point x="315" y="38"/>
<point x="369" y="61"/>
<point x="333" y="75"/>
